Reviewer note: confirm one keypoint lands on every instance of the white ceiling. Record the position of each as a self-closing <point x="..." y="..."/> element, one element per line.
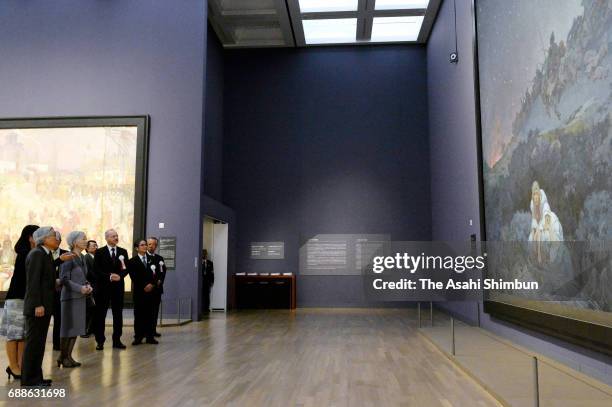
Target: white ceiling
<point x="300" y="23"/>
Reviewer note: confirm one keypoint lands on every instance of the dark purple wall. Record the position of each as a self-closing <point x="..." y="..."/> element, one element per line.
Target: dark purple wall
<point x="454" y="174"/>
<point x="325" y="140"/>
<point x="213" y="120"/>
<point x="212" y="169"/>
<point x="452" y="127"/>
<point x="91" y="57"/>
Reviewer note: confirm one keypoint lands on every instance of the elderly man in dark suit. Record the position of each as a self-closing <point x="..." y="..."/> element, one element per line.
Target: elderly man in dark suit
<point x="38" y="305"/>
<point x="157" y="261"/>
<point x="109" y="269"/>
<point x="92" y="246"/>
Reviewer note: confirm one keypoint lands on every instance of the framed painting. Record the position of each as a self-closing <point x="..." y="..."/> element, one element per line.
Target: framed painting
<point x="544" y="96"/>
<point x="82" y="173"/>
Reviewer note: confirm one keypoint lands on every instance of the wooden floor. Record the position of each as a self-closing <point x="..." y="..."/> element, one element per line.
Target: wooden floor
<point x="309" y="357"/>
<point x="481" y="354"/>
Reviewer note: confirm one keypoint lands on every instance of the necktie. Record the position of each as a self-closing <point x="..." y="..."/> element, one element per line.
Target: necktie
<point x="113" y="254"/>
<point x="144" y="261"/>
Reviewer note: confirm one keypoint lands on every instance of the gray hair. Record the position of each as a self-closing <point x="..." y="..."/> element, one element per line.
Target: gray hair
<point x="108" y="232"/>
<point x="42" y="233"/>
<point x="73" y="237"/>
<point x="58" y="235"/>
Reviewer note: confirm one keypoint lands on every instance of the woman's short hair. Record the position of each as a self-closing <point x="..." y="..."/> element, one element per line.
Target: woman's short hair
<point x="73" y="237"/>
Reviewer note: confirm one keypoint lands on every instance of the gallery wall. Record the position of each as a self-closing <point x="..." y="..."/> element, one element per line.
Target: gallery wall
<point x="212" y="154"/>
<point x="325" y="141"/>
<point x="101" y="58"/>
<point x="213" y="118"/>
<point x="454" y="173"/>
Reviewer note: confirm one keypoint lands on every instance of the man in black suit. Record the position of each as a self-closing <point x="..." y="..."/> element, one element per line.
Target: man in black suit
<point x="90" y="310"/>
<point x="160" y="265"/>
<point x="92" y="246"/>
<point x="38" y="305"/>
<point x="144" y="287"/>
<point x="208" y="279"/>
<point x="109" y="270"/>
<point x="59" y="256"/>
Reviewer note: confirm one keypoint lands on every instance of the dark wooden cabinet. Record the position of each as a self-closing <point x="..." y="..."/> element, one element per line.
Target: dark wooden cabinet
<point x="264" y="291"/>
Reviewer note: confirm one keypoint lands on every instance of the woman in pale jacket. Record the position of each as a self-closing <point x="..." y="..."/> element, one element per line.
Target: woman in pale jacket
<point x="75" y="289"/>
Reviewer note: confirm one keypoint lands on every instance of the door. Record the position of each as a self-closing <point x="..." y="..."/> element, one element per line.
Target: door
<point x="218" y="295"/>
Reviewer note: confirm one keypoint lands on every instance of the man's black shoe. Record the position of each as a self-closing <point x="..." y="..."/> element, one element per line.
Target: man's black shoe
<point x="157" y="334"/>
<point x="119" y="345"/>
<point x="152" y="341"/>
<point x="85" y="336"/>
<point x="99" y="346"/>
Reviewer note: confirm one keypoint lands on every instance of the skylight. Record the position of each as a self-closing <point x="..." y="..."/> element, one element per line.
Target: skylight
<point x="325" y="22"/>
<point x="318" y="6"/>
<point x="386" y="29"/>
<point x="330" y="31"/>
<point x="400" y="4"/>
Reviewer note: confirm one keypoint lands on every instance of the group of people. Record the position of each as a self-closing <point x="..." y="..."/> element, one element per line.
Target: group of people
<point x="76" y="289"/>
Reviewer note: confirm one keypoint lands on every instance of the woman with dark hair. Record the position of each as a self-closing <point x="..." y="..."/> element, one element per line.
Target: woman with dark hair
<point x="13" y="320"/>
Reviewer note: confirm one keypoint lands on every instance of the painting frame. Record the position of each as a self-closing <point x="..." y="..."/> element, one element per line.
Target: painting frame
<point x="142" y="125"/>
<point x="586" y="334"/>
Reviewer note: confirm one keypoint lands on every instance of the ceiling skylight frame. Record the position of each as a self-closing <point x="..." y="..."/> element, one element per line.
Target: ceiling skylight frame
<point x="365" y="14"/>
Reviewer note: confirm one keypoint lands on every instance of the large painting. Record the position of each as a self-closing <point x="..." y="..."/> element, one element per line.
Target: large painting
<point x="73" y="174"/>
<point x="545" y="86"/>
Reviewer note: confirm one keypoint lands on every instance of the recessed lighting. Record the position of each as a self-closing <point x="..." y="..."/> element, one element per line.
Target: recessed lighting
<point x="317" y="6"/>
<point x="400" y="4"/>
<point x="329" y="31"/>
<point x="385" y="29"/>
